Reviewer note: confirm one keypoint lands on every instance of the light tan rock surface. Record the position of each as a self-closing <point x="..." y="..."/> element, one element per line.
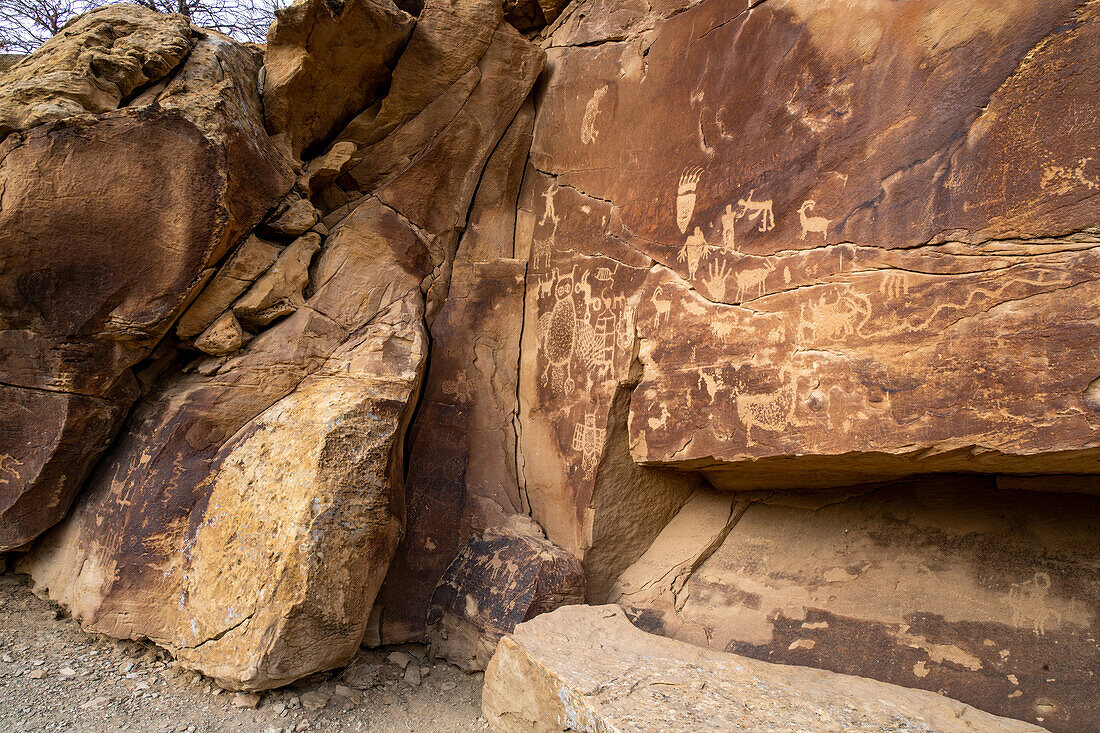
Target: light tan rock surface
<point x="586" y="668"/>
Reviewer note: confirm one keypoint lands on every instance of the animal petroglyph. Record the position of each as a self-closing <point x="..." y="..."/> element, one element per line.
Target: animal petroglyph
<point x="693" y="251"/>
<point x="8" y="464"/>
<point x="757" y="210"/>
<point x="836" y="319"/>
<point x="766" y="411"/>
<point x="1029" y="604"/>
<point x="685" y="197"/>
<point x="662" y="307"/>
<point x="1063" y="179"/>
<point x="588" y="439"/>
<point x="753" y="278"/>
<point x="457" y="387"/>
<point x="589" y="133"/>
<point x="815" y="224"/>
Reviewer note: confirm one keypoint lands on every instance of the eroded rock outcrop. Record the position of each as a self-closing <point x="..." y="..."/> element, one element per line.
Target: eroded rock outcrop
<point x="247" y="515"/>
<point x="585" y="668"/>
<point x="112" y="219"/>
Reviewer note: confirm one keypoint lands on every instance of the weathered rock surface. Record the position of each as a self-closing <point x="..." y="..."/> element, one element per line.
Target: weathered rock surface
<point x="502" y="578"/>
<point x="815" y="285"/>
<point x="247" y="515"/>
<point x="586" y="668"/>
<point x="325" y="61"/>
<point x="952" y="584"/>
<point x="110" y="224"/>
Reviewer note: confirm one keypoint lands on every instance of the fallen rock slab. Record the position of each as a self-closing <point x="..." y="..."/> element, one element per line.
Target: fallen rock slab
<point x="586" y="668"/>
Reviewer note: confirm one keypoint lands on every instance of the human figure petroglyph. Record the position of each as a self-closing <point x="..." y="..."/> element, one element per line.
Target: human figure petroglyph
<point x="549" y="213"/>
<point x="757" y="209"/>
<point x="729" y="240"/>
<point x="8" y="464"/>
<point x="716" y="279"/>
<point x="711" y="383"/>
<point x="1029" y="603"/>
<point x="662" y="307"/>
<point x="685" y="197"/>
<point x="815" y="224"/>
<point x="557" y="335"/>
<point x="753" y="278"/>
<point x="589" y="133"/>
<point x="587" y="440"/>
<point x="693" y="251"/>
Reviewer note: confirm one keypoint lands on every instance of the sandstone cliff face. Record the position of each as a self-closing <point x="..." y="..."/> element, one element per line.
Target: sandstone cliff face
<point x="695" y="305"/>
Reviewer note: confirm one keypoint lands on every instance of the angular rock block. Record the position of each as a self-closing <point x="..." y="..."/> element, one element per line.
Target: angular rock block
<point x="586" y="668"/>
<point x="505" y="577"/>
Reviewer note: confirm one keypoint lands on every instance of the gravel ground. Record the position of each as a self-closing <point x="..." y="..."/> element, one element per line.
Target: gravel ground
<point x="53" y="676"/>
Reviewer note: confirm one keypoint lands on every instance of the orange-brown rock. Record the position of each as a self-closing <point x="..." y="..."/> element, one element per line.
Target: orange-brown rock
<point x="827" y="244"/>
<point x="111" y="222"/>
<point x="506" y="576"/>
<point x="951" y="584"/>
<point x="247" y="515"/>
<point x="325" y="61"/>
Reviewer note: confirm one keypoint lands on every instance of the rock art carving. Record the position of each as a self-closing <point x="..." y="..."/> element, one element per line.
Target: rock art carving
<point x="716" y="279"/>
<point x="557" y="335"/>
<point x="894" y="285"/>
<point x="587" y="440"/>
<point x="835" y="319"/>
<point x="685" y="197"/>
<point x="753" y="278"/>
<point x="8" y="464"/>
<point x="729" y="243"/>
<point x="589" y="133"/>
<point x="693" y="251"/>
<point x="767" y="411"/>
<point x="1029" y="603"/>
<point x="814" y="224"/>
<point x="757" y="210"/>
<point x="662" y="307"/>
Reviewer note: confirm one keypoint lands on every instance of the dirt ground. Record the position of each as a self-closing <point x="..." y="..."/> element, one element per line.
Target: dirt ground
<point x="53" y="676"/>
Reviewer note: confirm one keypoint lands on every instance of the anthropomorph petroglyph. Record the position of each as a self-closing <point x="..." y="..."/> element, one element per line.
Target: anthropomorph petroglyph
<point x="588" y="439"/>
<point x="1029" y="603"/>
<point x="693" y="251"/>
<point x="729" y="241"/>
<point x="557" y="335"/>
<point x="757" y="210"/>
<point x="589" y="133"/>
<point x="815" y="224"/>
<point x="548" y="196"/>
<point x="685" y="197"/>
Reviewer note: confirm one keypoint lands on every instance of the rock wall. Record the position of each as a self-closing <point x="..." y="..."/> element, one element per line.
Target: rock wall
<point x="775" y="316"/>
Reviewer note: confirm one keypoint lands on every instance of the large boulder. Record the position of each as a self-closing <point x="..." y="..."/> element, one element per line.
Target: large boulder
<point x="506" y="576"/>
<point x="113" y="217"/>
<point x="586" y="668"/>
<point x="248" y="513"/>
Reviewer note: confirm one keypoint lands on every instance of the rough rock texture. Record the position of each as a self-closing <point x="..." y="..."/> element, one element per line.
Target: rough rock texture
<point x="111" y="220"/>
<point x="952" y="584"/>
<point x="325" y="62"/>
<point x="247" y="515"/>
<point x="881" y="259"/>
<point x="585" y="668"/>
<point x="502" y="578"/>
